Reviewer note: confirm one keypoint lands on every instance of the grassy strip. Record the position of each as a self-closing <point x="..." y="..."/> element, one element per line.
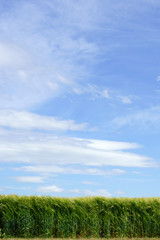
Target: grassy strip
<point x="82" y="238"/>
<point x="79" y="217"/>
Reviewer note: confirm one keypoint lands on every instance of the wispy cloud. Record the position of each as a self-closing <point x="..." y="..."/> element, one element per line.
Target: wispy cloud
<point x="55" y="169"/>
<point x="125" y="99"/>
<point x="49" y="189"/>
<point x="95" y="171"/>
<point x="145" y="118"/>
<point x="51" y="169"/>
<point x="47" y="149"/>
<point x="27" y="120"/>
<point x="52" y="189"/>
<point x="29" y="179"/>
<point x="110" y="145"/>
<point x="37" y="55"/>
<point x="93" y="91"/>
<point x="44" y="45"/>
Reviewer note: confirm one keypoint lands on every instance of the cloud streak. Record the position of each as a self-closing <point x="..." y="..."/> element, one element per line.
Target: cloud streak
<point x="144" y="118"/>
<point x="47" y="149"/>
<point x="49" y="189"/>
<point x="55" y="169"/>
<point x="29" y="179"/>
<point x="27" y="120"/>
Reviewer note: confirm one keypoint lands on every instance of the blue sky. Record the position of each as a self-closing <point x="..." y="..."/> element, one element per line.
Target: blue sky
<point x="80" y="98"/>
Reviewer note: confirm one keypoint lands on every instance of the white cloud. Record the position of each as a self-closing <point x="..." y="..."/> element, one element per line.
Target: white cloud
<point x="27" y="120"/>
<point x="49" y="169"/>
<point x="29" y="179"/>
<point x="125" y="99"/>
<point x="110" y="145"/>
<point x="93" y="91"/>
<point x="95" y="171"/>
<point x="49" y="189"/>
<point x="49" y="150"/>
<point x="105" y="93"/>
<point x="145" y="118"/>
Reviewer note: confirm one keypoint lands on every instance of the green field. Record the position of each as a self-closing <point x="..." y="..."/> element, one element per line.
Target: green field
<point x="92" y="217"/>
<point x="83" y="238"/>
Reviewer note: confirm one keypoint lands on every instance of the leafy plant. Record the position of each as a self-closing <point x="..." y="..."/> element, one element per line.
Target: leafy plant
<point x="2" y="235"/>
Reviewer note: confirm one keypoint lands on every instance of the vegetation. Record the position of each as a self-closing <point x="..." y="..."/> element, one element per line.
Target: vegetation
<point x="95" y="217"/>
<point x="84" y="239"/>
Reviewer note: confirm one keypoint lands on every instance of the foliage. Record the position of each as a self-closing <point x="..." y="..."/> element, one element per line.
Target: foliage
<point x="79" y="217"/>
<point x="2" y="235"/>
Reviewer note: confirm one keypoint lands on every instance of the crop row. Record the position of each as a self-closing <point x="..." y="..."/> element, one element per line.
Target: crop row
<point x="79" y="217"/>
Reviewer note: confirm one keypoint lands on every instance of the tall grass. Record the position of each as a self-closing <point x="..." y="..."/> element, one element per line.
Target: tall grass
<point x="79" y="217"/>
